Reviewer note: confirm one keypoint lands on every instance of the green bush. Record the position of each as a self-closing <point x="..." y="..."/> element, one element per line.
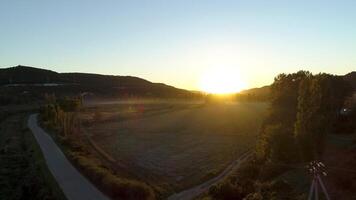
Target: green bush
<point x="117" y="188"/>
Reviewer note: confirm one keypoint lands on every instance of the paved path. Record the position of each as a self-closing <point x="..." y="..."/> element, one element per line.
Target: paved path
<point x="74" y="185"/>
<point x="199" y="189"/>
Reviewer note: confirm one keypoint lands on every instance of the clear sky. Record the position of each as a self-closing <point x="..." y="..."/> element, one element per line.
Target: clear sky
<point x="176" y="41"/>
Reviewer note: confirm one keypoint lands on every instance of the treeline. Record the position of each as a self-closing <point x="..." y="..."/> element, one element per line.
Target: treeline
<point x="304" y="108"/>
<point x="61" y="117"/>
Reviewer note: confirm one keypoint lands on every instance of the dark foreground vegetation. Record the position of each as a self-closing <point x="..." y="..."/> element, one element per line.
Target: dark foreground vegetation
<point x="304" y="109"/>
<point x="23" y="170"/>
<point x="60" y="117"/>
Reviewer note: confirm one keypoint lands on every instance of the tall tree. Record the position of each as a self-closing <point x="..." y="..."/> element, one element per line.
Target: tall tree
<point x="277" y="132"/>
<point x="320" y="99"/>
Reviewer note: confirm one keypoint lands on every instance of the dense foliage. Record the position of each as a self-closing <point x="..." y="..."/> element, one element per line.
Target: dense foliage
<point x="61" y="114"/>
<point x="320" y="100"/>
<point x="277" y="133"/>
<point x="304" y="108"/>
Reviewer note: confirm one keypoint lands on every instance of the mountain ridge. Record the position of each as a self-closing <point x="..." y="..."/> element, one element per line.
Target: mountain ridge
<point x="75" y="82"/>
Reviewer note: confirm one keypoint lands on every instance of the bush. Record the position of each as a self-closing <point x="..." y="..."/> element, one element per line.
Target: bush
<point x="70" y="104"/>
<point x="226" y="191"/>
<point x="254" y="196"/>
<point x="117" y="188"/>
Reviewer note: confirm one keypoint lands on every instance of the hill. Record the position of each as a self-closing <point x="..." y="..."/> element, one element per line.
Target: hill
<point x="255" y="94"/>
<point x="24" y="79"/>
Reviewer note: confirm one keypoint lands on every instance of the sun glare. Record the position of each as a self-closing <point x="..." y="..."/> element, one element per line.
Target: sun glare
<point x="222" y="81"/>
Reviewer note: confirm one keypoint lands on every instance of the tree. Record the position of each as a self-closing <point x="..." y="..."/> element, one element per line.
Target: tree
<point x="320" y="99"/>
<point x="277" y="133"/>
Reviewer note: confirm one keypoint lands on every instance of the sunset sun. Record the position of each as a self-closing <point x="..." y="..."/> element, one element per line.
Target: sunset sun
<point x="222" y="81"/>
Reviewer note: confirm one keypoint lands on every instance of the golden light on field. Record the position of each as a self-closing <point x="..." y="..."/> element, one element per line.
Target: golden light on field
<point x="222" y="81"/>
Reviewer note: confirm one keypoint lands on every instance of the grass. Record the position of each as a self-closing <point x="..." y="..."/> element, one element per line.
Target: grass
<point x="23" y="171"/>
<point x="116" y="187"/>
<point x="174" y="146"/>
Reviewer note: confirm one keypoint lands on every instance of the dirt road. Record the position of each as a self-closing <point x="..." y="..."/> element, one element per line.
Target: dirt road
<point x="199" y="189"/>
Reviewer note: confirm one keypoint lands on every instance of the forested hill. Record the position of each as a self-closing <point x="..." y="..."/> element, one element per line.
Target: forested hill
<point x="23" y="77"/>
<point x="264" y="93"/>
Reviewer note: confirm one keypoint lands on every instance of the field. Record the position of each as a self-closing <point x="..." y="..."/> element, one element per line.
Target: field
<point x="173" y="146"/>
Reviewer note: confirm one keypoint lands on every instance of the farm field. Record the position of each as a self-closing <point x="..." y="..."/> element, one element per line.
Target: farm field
<point x="174" y="146"/>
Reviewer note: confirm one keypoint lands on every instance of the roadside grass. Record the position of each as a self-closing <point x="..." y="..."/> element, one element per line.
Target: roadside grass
<point x="114" y="186"/>
<point x="23" y="170"/>
<point x="39" y="164"/>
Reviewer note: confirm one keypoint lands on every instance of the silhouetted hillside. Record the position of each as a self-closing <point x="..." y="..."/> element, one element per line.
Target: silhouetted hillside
<point x="255" y="94"/>
<point x="39" y="81"/>
<point x="27" y="75"/>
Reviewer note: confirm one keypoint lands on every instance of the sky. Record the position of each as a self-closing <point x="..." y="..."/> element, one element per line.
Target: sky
<point x="175" y="42"/>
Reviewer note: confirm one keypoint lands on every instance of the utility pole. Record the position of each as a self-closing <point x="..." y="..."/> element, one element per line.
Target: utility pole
<point x="317" y="169"/>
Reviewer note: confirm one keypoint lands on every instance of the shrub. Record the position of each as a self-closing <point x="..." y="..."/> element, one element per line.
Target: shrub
<point x="117" y="188"/>
<point x="226" y="191"/>
<point x="254" y="196"/>
<point x="70" y="104"/>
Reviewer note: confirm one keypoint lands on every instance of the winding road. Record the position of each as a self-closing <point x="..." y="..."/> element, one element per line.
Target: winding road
<point x="199" y="189"/>
<point x="74" y="185"/>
